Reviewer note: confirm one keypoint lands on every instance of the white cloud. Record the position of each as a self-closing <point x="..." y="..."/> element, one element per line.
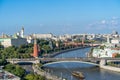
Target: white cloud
<point x="111" y="24"/>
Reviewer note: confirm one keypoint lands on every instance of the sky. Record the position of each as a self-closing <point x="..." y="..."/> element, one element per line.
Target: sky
<point x="59" y="16"/>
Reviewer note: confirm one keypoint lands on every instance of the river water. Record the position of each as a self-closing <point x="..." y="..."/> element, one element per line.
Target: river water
<point x="91" y="72"/>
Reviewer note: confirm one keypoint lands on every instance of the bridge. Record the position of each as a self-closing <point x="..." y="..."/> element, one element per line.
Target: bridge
<point x="94" y="61"/>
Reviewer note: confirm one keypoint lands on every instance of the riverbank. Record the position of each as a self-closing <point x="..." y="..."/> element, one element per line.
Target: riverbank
<point x="63" y="51"/>
<point x="41" y="72"/>
<point x="111" y="68"/>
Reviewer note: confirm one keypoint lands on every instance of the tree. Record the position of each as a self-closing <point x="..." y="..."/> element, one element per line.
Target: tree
<point x="3" y="62"/>
<point x="29" y="77"/>
<point x="46" y="48"/>
<point x="9" y="67"/>
<point x="15" y="69"/>
<point x="34" y="77"/>
<point x="102" y="47"/>
<point x="19" y="71"/>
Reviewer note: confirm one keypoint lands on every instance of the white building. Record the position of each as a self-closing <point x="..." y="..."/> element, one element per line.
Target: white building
<point x="6" y="42"/>
<point x="42" y="36"/>
<point x="115" y="41"/>
<point x="30" y="39"/>
<point x="22" y="33"/>
<point x="106" y="52"/>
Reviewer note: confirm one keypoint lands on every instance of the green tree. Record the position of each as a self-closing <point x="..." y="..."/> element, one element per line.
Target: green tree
<point x="19" y="71"/>
<point x="15" y="69"/>
<point x="46" y="48"/>
<point x="3" y="62"/>
<point x="29" y="77"/>
<point x="34" y="77"/>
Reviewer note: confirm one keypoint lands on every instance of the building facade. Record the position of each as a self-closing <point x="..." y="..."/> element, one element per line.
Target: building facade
<point x="6" y="42"/>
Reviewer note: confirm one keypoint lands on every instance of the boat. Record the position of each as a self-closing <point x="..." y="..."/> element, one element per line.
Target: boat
<point x="78" y="74"/>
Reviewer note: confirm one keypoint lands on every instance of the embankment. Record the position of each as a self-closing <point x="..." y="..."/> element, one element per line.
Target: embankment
<point x="116" y="69"/>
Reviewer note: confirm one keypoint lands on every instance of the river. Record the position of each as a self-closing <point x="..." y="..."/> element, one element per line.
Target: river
<point x="91" y="72"/>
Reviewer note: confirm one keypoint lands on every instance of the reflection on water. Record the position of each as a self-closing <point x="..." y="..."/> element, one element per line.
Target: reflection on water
<point x="91" y="73"/>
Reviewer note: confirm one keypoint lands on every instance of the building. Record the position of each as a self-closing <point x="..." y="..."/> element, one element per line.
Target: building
<point x="109" y="49"/>
<point x="30" y="39"/>
<point x="14" y="40"/>
<point x="42" y="36"/>
<point x="22" y="32"/>
<point x="6" y="42"/>
<point x="107" y="52"/>
<point x="115" y="41"/>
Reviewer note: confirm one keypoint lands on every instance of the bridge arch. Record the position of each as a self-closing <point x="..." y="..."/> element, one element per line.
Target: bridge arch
<point x="50" y="63"/>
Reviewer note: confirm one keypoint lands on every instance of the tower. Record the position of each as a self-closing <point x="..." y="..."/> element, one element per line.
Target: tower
<point x="22" y="32"/>
<point x="35" y="51"/>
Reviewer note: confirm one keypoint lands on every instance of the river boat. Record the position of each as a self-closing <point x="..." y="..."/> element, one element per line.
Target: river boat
<point x="78" y="74"/>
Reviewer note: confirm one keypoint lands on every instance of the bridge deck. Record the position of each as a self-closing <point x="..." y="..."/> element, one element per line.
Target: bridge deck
<point x="85" y="59"/>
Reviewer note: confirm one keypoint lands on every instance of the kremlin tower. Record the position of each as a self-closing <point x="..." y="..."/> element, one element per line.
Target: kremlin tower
<point x="35" y="51"/>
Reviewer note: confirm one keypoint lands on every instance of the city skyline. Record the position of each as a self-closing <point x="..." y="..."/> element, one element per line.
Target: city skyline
<point x="59" y="16"/>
